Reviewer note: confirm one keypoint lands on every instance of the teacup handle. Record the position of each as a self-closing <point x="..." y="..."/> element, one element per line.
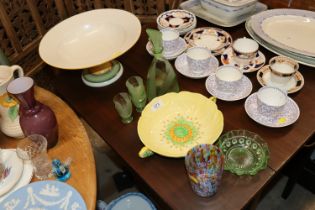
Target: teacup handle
<point x="18" y="69"/>
<point x="145" y="152"/>
<point x="214" y="99"/>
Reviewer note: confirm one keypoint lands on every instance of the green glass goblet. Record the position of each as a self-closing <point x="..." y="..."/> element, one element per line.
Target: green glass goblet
<point x="123" y="106"/>
<point x="137" y="92"/>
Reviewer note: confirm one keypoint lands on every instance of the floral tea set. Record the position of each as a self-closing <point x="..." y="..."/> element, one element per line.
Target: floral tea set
<point x="229" y="82"/>
<point x="179" y="133"/>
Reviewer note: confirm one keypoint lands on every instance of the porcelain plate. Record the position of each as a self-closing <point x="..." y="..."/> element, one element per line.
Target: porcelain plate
<point x="215" y="39"/>
<point x="228" y="58"/>
<point x="293" y="85"/>
<point x="289" y="29"/>
<point x="182" y="67"/>
<point x="306" y="60"/>
<point x="241" y="92"/>
<point x="48" y="195"/>
<point x="12" y="172"/>
<point x="288" y="116"/>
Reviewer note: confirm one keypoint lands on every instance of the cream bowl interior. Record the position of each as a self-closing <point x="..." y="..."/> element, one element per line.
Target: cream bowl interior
<point x="90" y="38"/>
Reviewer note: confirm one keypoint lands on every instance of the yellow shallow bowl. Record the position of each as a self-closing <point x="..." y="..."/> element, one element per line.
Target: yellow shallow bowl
<point x="172" y="124"/>
<point x="90" y="38"/>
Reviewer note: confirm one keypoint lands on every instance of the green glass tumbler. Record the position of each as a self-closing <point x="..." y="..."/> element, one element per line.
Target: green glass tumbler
<point x="137" y="92"/>
<point x="123" y="106"/>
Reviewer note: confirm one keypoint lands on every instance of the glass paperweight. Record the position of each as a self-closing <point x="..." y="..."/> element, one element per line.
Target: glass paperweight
<point x="61" y="170"/>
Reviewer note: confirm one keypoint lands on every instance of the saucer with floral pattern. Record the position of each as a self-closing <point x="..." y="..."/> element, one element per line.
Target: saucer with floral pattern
<point x="293" y="85"/>
<point x="13" y="169"/>
<point x="181" y="65"/>
<point x="287" y="116"/>
<point x="215" y="39"/>
<point x="228" y="58"/>
<point x="242" y="91"/>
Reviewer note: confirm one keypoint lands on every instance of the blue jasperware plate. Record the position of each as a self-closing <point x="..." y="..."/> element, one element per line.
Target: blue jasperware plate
<point x="131" y="201"/>
<point x="48" y="195"/>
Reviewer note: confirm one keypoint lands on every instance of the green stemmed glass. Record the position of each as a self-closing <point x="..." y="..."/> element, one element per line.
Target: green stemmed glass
<point x="137" y="92"/>
<point x="123" y="106"/>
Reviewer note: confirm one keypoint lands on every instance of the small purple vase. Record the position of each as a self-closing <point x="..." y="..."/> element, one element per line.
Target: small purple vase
<point x="35" y="117"/>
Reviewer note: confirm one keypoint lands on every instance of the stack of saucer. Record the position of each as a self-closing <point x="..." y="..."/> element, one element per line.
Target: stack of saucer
<point x="228" y="9"/>
<point x="179" y="20"/>
<point x="226" y="13"/>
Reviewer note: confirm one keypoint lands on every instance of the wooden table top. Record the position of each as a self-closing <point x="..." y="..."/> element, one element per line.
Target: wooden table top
<point x="166" y="176"/>
<point x="73" y="142"/>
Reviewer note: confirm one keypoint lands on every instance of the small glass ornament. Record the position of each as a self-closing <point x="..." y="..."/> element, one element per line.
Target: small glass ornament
<point x="61" y="170"/>
<point x="137" y="92"/>
<point x="123" y="106"/>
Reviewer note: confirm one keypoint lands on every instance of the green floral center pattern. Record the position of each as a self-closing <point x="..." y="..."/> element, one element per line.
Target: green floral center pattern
<point x="181" y="131"/>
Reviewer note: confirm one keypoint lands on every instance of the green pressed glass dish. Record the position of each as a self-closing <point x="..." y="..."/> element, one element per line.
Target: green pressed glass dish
<point x="245" y="152"/>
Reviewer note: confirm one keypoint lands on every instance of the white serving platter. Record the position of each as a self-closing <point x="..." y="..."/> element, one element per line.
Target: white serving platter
<point x="306" y="60"/>
<point x="289" y="29"/>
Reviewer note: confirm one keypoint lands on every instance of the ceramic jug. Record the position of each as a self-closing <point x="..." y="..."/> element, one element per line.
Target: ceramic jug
<point x="35" y="117"/>
<point x="9" y="119"/>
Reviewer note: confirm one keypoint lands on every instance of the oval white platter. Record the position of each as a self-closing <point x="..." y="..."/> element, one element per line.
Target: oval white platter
<point x="289" y="29"/>
<point x="306" y="60"/>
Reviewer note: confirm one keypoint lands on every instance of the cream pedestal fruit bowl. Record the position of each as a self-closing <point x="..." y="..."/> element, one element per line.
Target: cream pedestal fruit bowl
<point x="173" y="123"/>
<point x="91" y="41"/>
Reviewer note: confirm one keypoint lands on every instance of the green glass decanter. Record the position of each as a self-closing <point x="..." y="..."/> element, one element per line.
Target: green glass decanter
<point x="161" y="76"/>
